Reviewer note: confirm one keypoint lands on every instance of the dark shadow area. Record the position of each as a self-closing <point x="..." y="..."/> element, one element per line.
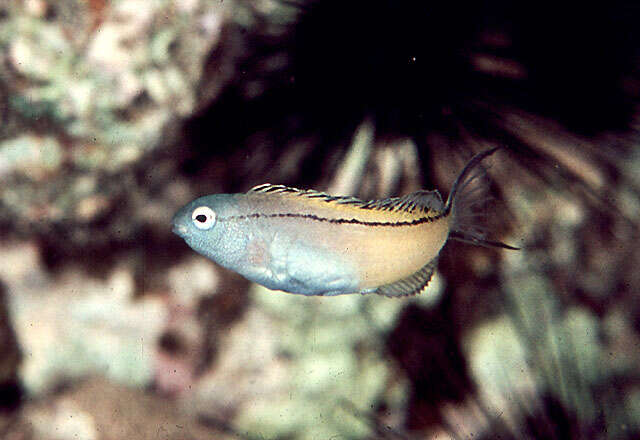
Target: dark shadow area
<point x="151" y="252"/>
<point x="11" y="392"/>
<point x="581" y="60"/>
<point x="552" y="420"/>
<point x="217" y="314"/>
<point x="425" y="343"/>
<point x="413" y="68"/>
<point x="11" y="395"/>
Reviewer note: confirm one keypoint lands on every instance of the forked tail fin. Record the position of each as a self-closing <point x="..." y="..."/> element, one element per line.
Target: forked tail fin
<point x="467" y="195"/>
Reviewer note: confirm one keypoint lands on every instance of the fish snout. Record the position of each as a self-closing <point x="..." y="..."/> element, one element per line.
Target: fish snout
<point x="179" y="229"/>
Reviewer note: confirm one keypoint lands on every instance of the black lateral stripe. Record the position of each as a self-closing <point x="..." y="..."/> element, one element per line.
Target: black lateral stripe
<point x="351" y="221"/>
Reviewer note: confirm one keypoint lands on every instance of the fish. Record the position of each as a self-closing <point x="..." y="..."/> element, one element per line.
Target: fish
<point x="312" y="243"/>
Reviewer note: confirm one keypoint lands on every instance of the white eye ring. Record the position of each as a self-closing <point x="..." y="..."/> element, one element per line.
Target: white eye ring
<point x="203" y="217"/>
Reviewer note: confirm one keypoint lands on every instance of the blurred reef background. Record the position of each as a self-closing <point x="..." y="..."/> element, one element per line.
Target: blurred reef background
<point x="113" y="114"/>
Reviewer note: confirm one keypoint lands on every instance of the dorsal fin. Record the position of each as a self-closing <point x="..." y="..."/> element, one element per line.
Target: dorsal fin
<point x="424" y="201"/>
<point x="423" y="198"/>
<point x="412" y="285"/>
<point x="268" y="188"/>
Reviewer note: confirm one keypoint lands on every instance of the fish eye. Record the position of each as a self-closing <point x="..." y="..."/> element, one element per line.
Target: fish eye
<point x="203" y="217"/>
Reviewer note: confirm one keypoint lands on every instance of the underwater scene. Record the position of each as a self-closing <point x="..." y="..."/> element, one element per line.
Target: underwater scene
<point x="319" y="220"/>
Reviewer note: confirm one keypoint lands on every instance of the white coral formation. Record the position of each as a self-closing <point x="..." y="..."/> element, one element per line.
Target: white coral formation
<point x="72" y="325"/>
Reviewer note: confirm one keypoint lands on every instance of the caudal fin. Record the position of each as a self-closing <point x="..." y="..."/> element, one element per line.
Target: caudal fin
<point x="467" y="196"/>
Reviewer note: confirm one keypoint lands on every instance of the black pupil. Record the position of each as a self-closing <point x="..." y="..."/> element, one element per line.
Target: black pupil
<point x="201" y="218"/>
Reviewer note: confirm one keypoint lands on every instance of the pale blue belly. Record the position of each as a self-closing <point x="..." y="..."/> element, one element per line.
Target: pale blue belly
<point x="294" y="266"/>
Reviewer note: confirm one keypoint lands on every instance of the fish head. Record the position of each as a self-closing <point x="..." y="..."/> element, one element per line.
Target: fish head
<point x="198" y="223"/>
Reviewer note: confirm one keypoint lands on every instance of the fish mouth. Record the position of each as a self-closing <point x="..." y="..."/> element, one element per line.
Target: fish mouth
<point x="180" y="230"/>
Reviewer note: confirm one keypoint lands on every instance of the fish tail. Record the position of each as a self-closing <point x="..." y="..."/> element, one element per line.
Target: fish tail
<point x="468" y="194"/>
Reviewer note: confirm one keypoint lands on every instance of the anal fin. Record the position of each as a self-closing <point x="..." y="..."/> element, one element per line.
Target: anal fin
<point x="412" y="285"/>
